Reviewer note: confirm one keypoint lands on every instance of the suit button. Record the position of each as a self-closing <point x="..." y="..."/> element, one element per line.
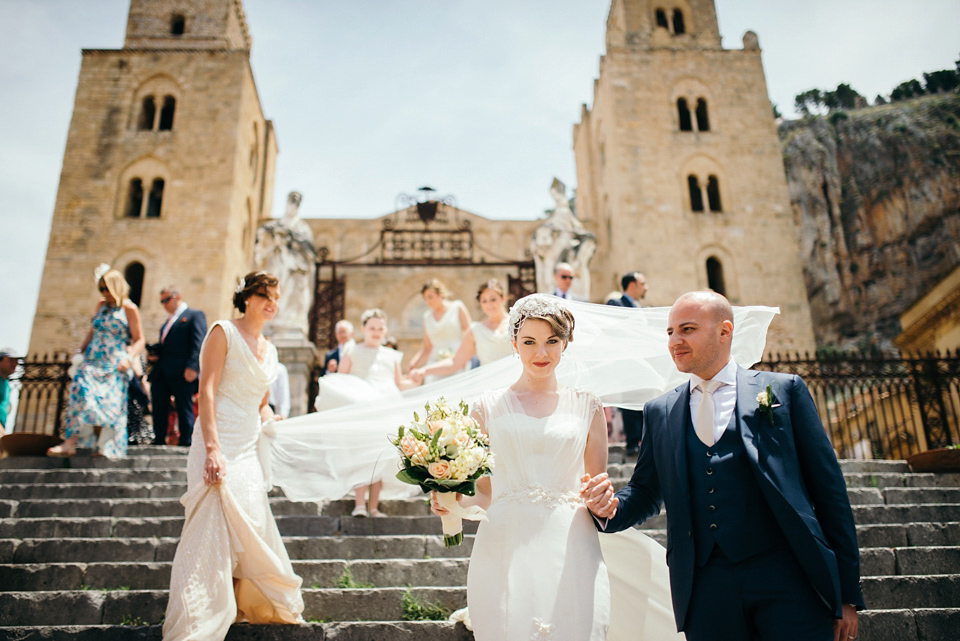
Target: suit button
<point x="690" y="533"/>
<point x="712" y="508"/>
<point x="710" y="490"/>
<point x="709" y="471"/>
<point x="709" y="453"/>
<point x="713" y="526"/>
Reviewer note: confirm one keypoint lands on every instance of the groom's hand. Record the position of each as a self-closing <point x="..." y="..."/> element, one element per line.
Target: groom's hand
<point x="597" y="493"/>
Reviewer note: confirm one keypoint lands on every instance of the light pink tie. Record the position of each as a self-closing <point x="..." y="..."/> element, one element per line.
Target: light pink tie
<point x="166" y="329"/>
<point x="703" y="424"/>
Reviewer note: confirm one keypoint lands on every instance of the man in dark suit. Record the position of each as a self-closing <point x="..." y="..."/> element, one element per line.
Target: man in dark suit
<point x="343" y="331"/>
<point x="176" y="365"/>
<point x="761" y="540"/>
<point x="634" y="287"/>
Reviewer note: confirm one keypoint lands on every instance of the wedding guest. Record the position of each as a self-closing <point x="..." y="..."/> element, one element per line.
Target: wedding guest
<point x="634" y="286"/>
<point x="369" y="372"/>
<point x="487" y="339"/>
<point x="536" y="569"/>
<point x="176" y="365"/>
<point x="760" y="532"/>
<point x="343" y="331"/>
<point x="96" y="415"/>
<point x="9" y="361"/>
<point x="444" y="324"/>
<point x="280" y="393"/>
<point x="563" y="277"/>
<point x="230" y="564"/>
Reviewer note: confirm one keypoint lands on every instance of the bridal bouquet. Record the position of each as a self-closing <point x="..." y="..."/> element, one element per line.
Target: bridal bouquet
<point x="445" y="452"/>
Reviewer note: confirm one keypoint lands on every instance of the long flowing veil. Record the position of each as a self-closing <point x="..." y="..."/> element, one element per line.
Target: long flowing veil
<point x="620" y="354"/>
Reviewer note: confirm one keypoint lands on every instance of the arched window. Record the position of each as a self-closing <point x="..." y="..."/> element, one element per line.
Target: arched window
<point x="713" y="194"/>
<point x="683" y="111"/>
<point x="678" y="26"/>
<point x="166" y="114"/>
<point x="715" y="276"/>
<point x="696" y="197"/>
<point x="147" y="113"/>
<point x="156" y="199"/>
<point x="133" y="274"/>
<point x="703" y="121"/>
<point x="134" y="198"/>
<point x="662" y="19"/>
<point x="178" y="24"/>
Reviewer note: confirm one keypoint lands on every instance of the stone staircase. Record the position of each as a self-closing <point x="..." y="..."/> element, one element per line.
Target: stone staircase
<point x="86" y="546"/>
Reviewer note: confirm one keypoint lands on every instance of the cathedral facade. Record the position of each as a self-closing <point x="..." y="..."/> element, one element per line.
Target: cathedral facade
<point x="679" y="167"/>
<point x="168" y="170"/>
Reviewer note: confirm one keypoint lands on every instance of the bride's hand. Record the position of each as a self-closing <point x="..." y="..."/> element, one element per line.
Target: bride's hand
<point x="435" y="506"/>
<point x="597" y="493"/>
<point x="214" y="468"/>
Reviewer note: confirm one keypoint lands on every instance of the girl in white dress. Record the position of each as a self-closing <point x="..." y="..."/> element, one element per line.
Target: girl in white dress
<point x="230" y="564"/>
<point x="368" y="372"/>
<point x="444" y="324"/>
<point x="536" y="570"/>
<point x="488" y="339"/>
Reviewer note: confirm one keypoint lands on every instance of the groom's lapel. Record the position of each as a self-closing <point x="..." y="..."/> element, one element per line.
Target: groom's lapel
<point x="748" y="386"/>
<point x="677" y="422"/>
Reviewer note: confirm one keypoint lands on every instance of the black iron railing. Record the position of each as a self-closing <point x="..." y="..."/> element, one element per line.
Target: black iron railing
<point x="44" y="387"/>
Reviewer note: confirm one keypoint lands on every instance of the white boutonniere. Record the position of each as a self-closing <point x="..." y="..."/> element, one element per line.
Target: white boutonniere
<point x="765" y="400"/>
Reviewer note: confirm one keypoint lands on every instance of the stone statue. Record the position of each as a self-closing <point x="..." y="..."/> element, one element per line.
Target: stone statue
<point x="285" y="248"/>
<point x="562" y="238"/>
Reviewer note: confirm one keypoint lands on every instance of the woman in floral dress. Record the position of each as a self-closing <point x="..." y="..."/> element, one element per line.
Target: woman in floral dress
<point x="97" y="410"/>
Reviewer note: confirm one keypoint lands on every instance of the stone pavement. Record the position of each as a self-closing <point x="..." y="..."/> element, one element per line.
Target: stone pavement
<point x="86" y="546"/>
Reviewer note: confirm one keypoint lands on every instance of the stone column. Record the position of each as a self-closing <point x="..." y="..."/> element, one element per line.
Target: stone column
<point x="299" y="358"/>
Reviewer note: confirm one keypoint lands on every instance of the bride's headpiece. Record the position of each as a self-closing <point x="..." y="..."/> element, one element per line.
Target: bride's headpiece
<point x="543" y="306"/>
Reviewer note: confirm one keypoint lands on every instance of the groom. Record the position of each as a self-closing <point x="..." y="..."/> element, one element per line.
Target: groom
<point x="761" y="541"/>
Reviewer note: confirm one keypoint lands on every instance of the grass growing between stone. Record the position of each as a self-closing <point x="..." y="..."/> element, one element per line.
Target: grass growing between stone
<point x="416" y="610"/>
<point x="346" y="581"/>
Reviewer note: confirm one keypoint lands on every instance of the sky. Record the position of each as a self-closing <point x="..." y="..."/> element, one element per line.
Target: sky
<point x="374" y="98"/>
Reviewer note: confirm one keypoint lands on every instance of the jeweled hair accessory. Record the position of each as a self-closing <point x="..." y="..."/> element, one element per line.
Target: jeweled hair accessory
<point x="241" y="286"/>
<point x="532" y="306"/>
<point x="101" y="269"/>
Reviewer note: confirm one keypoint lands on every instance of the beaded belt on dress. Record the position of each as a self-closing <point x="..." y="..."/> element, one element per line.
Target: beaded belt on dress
<point x="540" y="495"/>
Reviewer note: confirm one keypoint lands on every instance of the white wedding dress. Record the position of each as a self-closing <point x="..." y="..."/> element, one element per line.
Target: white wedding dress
<point x="230" y="564"/>
<point x="537" y="571"/>
<point x="444" y="334"/>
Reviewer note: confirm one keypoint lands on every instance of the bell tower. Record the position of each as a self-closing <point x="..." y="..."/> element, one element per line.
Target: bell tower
<point x="679" y="168"/>
<point x="167" y="172"/>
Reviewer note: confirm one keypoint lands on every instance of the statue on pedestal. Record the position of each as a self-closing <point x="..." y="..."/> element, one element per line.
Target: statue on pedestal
<point x="285" y="248"/>
<point x="562" y="238"/>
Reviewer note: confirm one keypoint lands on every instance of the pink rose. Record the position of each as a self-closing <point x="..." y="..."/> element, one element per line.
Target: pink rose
<point x="439" y="469"/>
<point x="433" y="426"/>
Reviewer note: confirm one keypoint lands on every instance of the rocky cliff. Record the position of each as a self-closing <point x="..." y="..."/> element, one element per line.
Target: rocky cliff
<point x="876" y="200"/>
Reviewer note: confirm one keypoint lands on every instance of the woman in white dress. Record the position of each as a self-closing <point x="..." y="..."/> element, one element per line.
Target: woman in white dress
<point x="444" y="324"/>
<point x="368" y="372"/>
<point x="536" y="570"/>
<point x="487" y="339"/>
<point x="230" y="565"/>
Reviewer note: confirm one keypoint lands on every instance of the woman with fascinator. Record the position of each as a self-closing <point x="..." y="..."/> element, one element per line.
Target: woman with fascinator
<point x="97" y="409"/>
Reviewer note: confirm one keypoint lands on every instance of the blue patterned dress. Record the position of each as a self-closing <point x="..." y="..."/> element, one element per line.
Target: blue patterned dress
<point x="98" y="394"/>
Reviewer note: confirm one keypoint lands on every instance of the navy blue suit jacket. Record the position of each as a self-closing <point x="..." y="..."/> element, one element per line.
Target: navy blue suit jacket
<point x="181" y="348"/>
<point x="623" y="301"/>
<point x="794" y="464"/>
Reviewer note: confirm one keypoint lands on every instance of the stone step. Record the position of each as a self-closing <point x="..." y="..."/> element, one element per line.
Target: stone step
<point x="338" y="631"/>
<point x="390" y="572"/>
<point x="81" y="462"/>
<point x="914" y="591"/>
<point x="897" y="535"/>
<point x="113" y="607"/>
<point x="135" y="507"/>
<point x="101" y="476"/>
<point x="156" y="576"/>
<point x="147" y="550"/>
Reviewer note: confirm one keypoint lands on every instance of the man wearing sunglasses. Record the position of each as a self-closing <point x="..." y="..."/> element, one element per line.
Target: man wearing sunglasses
<point x="563" y="278"/>
<point x="176" y="365"/>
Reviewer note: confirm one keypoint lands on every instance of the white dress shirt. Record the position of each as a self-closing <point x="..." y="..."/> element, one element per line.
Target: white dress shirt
<point x="560" y="294"/>
<point x="181" y="308"/>
<point x="724" y="399"/>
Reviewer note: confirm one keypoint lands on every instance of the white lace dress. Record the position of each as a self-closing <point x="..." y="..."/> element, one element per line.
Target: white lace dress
<point x="230" y="564"/>
<point x="445" y="335"/>
<point x="491" y="344"/>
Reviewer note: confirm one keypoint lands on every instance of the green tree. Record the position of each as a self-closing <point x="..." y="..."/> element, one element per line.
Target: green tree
<point x="906" y="90"/>
<point x="944" y="80"/>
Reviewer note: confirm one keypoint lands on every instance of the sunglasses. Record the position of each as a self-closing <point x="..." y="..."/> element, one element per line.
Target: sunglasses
<point x="164" y="301"/>
<point x="565" y="277"/>
<point x="103" y="290"/>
